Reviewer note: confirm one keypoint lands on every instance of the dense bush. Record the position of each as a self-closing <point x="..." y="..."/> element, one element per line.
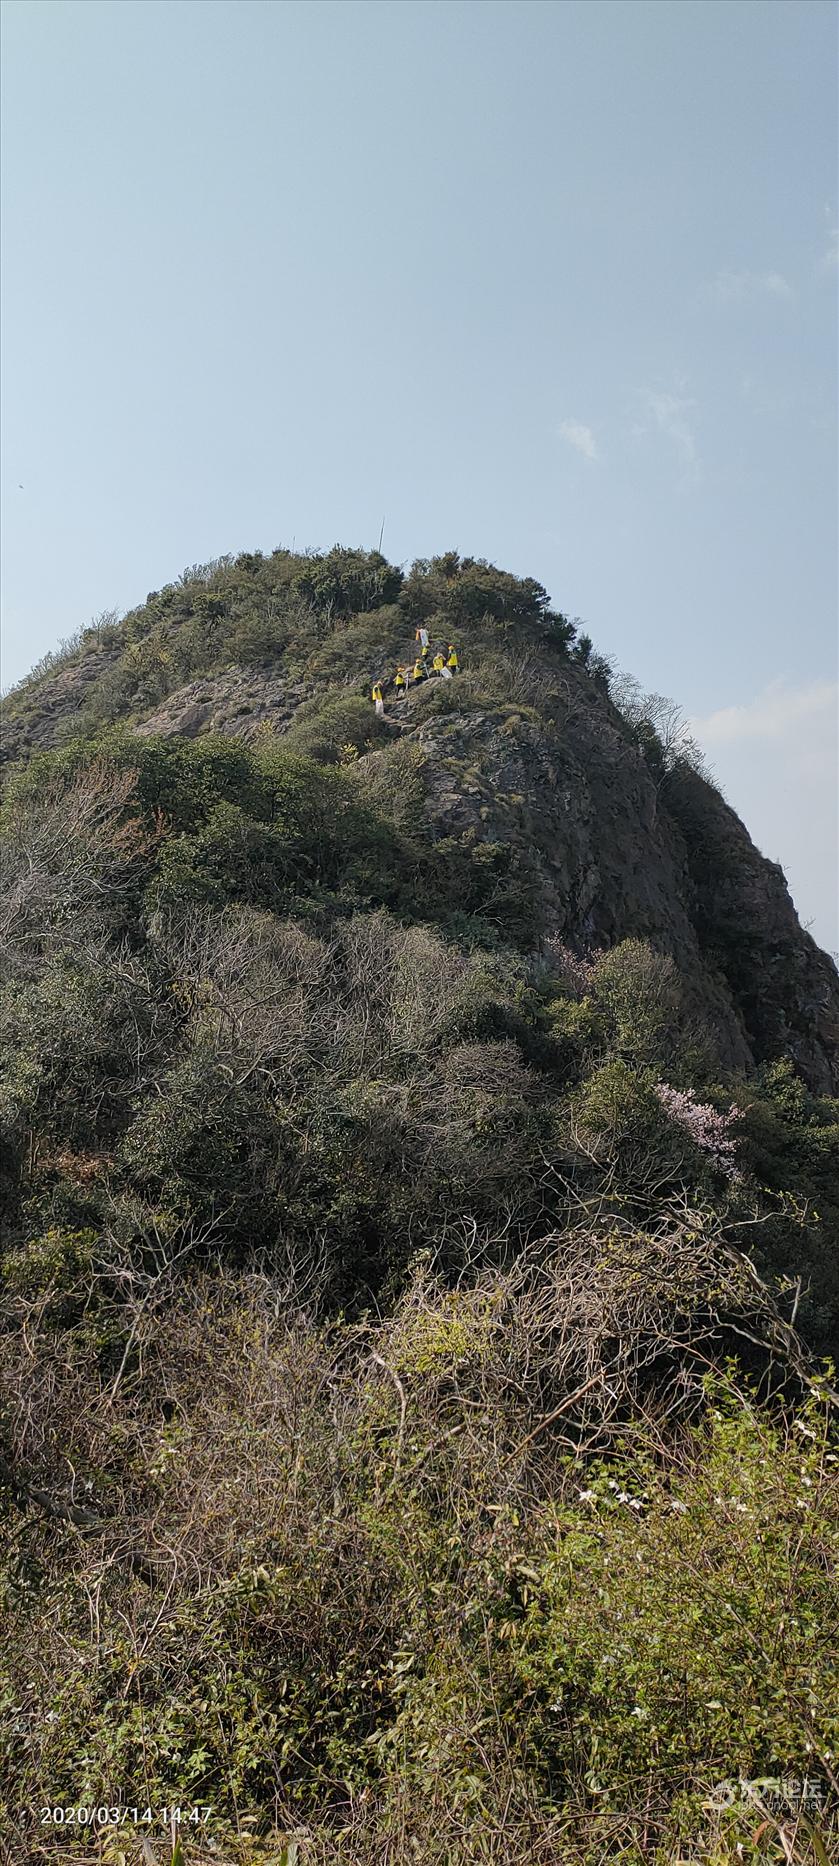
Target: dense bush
<point x="414" y="1579"/>
<point x="459" y="591"/>
<point x="129" y="863"/>
<point x="330" y="728"/>
<point x="660" y="1599"/>
<point x="638" y="990"/>
<point x="347" y="582"/>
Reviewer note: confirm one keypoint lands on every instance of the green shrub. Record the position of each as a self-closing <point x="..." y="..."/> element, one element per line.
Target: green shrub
<point x="618" y="1119"/>
<point x="789" y="1148"/>
<point x="50" y="1265"/>
<point x="687" y="1630"/>
<point x="346" y="582"/>
<point x="638" y="990"/>
<point x="470" y="590"/>
<point x="323" y="728"/>
<point x="364" y="648"/>
<point x="393" y="785"/>
<point x="579" y="1024"/>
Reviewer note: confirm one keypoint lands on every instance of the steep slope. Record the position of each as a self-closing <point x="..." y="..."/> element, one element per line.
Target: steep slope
<point x="525" y="750"/>
<point x="418" y="1236"/>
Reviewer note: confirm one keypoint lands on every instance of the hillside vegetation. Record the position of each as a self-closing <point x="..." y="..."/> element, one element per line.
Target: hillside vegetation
<point x="420" y="1250"/>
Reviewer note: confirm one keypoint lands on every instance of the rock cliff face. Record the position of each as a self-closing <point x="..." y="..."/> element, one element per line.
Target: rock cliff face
<point x="616" y="858"/>
<point x="612" y="849"/>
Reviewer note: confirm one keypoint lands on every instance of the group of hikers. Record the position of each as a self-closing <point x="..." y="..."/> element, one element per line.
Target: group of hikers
<point x="444" y="665"/>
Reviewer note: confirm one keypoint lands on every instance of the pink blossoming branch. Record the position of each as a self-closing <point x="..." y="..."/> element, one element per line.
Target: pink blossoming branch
<point x="709" y="1130"/>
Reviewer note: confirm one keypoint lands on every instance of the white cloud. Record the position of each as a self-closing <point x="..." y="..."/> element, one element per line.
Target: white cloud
<point x="777" y="713"/>
<point x="738" y="287"/>
<point x="775" y="285"/>
<point x="777" y="759"/>
<point x="667" y="414"/>
<point x="579" y="436"/>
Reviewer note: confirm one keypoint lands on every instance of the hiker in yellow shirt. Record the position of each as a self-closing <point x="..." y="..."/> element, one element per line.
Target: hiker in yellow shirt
<point x="439" y="663"/>
<point x="453" y="661"/>
<point x="400" y="683"/>
<point x="420" y="669"/>
<point x="378" y="699"/>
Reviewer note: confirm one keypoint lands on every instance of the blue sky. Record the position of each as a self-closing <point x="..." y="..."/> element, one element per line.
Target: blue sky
<point x="553" y="284"/>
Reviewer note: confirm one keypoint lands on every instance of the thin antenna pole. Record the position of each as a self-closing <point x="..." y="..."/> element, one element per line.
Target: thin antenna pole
<point x="381" y="535"/>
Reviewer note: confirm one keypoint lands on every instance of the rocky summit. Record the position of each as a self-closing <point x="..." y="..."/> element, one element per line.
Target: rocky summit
<point x="609" y="833"/>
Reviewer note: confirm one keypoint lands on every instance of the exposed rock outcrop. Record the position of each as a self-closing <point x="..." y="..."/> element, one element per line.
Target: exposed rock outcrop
<point x="235" y="704"/>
